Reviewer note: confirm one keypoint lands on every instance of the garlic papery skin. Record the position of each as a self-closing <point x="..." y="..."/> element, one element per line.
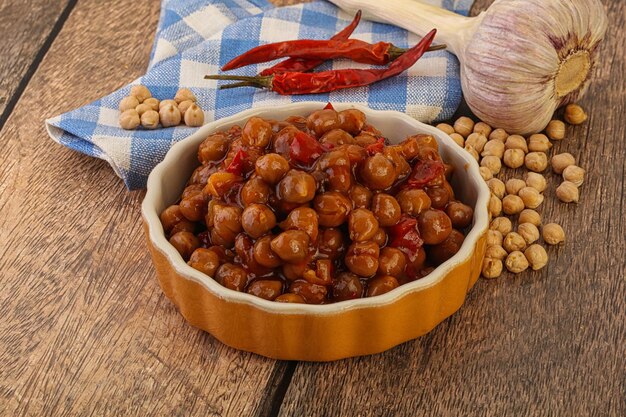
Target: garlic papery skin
<point x="520" y="60"/>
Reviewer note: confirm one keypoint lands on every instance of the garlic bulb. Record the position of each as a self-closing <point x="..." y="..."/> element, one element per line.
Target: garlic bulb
<point x="520" y="60"/>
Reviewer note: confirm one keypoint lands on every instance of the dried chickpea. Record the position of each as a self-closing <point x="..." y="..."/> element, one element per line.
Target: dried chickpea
<point x="497" y="187"/>
<point x="531" y="197"/>
<point x="129" y="119"/>
<point x="539" y="143"/>
<point x="492" y="163"/>
<point x="476" y="141"/>
<point x="556" y="130"/>
<point x="184" y="94"/>
<point x="458" y="139"/>
<point x="142" y="108"/>
<point x="493" y="148"/>
<point x="152" y="102"/>
<point x="512" y="204"/>
<point x="464" y="126"/>
<point x="482" y="128"/>
<point x="516" y="142"/>
<point x="494" y="238"/>
<point x="529" y="232"/>
<point x="498" y="134"/>
<point x="496" y="252"/>
<point x="574" y="174"/>
<point x="561" y="161"/>
<point x="536" y="256"/>
<point x="553" y="234"/>
<point x="502" y="224"/>
<point x="128" y="103"/>
<point x="574" y="114"/>
<point x="513" y="241"/>
<point x="516" y="262"/>
<point x="472" y="152"/>
<point x="492" y="268"/>
<point x="529" y="216"/>
<point x="536" y="181"/>
<point x="485" y="173"/>
<point x="170" y="115"/>
<point x="536" y="161"/>
<point x="494" y="206"/>
<point x="183" y="106"/>
<point x="444" y="127"/>
<point x="141" y="92"/>
<point x="513" y="186"/>
<point x="164" y="103"/>
<point x="513" y="158"/>
<point x="567" y="192"/>
<point x="194" y="116"/>
<point x="150" y="119"/>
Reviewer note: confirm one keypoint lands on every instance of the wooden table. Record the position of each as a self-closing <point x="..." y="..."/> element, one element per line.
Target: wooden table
<point x="85" y="329"/>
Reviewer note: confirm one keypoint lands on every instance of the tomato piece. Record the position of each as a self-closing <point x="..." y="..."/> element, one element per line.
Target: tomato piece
<point x="236" y="165"/>
<point x="406" y="236"/>
<point x="305" y="148"/>
<point x="329" y="106"/>
<point x="424" y="172"/>
<point x="377" y="147"/>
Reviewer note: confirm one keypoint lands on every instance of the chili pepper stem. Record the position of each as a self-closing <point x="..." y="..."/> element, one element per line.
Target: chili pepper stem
<point x="394" y="51"/>
<point x="258" y="81"/>
<point x="240" y="84"/>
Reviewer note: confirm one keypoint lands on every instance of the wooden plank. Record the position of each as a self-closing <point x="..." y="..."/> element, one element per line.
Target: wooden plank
<point x="26" y="28"/>
<point x="541" y="343"/>
<point x="85" y="329"/>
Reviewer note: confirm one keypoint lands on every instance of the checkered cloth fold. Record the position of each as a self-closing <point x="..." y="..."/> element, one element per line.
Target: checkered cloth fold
<point x="197" y="37"/>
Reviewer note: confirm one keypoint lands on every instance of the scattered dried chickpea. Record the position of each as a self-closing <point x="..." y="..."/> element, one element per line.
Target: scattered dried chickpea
<point x="556" y="130"/>
<point x="513" y="241"/>
<point x="536" y="256"/>
<point x="494" y="237"/>
<point x="513" y="186"/>
<point x="574" y="114"/>
<point x="496" y="252"/>
<point x="492" y="268"/>
<point x="529" y="232"/>
<point x="476" y="141"/>
<point x="502" y="224"/>
<point x="567" y="192"/>
<point x="152" y="102"/>
<point x="536" y="181"/>
<point x="129" y="119"/>
<point x="150" y="119"/>
<point x="536" y="161"/>
<point x="495" y="206"/>
<point x="444" y="127"/>
<point x="574" y="174"/>
<point x="194" y="116"/>
<point x="539" y="143"/>
<point x="498" y="134"/>
<point x="464" y="126"/>
<point x="472" y="152"/>
<point x="516" y="142"/>
<point x="128" y="103"/>
<point x="170" y="115"/>
<point x="531" y="197"/>
<point x="512" y="204"/>
<point x="183" y="106"/>
<point x="141" y="92"/>
<point x="561" y="161"/>
<point x="458" y="139"/>
<point x="530" y="216"/>
<point x="493" y="148"/>
<point x="485" y="173"/>
<point x="184" y="94"/>
<point x="516" y="262"/>
<point x="142" y="108"/>
<point x="513" y="158"/>
<point x="553" y="234"/>
<point x="497" y="187"/>
<point x="492" y="163"/>
<point x="164" y="103"/>
<point x="482" y="128"/>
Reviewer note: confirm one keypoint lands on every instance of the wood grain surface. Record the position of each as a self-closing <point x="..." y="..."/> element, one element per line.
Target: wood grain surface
<point x="85" y="330"/>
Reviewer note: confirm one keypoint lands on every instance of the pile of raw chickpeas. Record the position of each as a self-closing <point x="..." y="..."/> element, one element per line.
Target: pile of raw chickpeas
<point x="516" y="227"/>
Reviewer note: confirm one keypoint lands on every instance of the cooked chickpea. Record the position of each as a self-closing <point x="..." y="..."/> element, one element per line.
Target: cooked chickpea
<point x="458" y="139"/>
<point x="362" y="225"/>
<point x="392" y="262"/>
<point x="516" y="262"/>
<point x="140" y="92"/>
<point x="302" y="218"/>
<point x="492" y="268"/>
<point x="256" y="132"/>
<point x="539" y="143"/>
<point x="502" y="224"/>
<point x="205" y="261"/>
<point x="129" y="119"/>
<point x="434" y="226"/>
<point x="170" y="217"/>
<point x="271" y="167"/>
<point x="226" y="225"/>
<point x="574" y="174"/>
<point x="439" y="197"/>
<point x="219" y="182"/>
<point x="193" y="116"/>
<point x="413" y="201"/>
<point x="493" y="148"/>
<point x="536" y="181"/>
<point x="496" y="252"/>
<point x="514" y="241"/>
<point x="347" y="286"/>
<point x="213" y="148"/>
<point x="232" y="276"/>
<point x="184" y="94"/>
<point x="494" y="238"/>
<point x="446" y="128"/>
<point x="169" y="115"/>
<point x="311" y="293"/>
<point x="322" y="121"/>
<point x="536" y="256"/>
<point x="257" y="220"/>
<point x="297" y="187"/>
<point x="378" y="172"/>
<point x="360" y="196"/>
<point x="485" y="173"/>
<point x="513" y="186"/>
<point x="553" y="234"/>
<point x="512" y="204"/>
<point x="530" y="216"/>
<point x="291" y="245"/>
<point x="497" y="187"/>
<point x="464" y="126"/>
<point x="513" y="158"/>
<point x="556" y="130"/>
<point x="332" y="208"/>
<point x="128" y="103"/>
<point x="460" y="214"/>
<point x="185" y="243"/>
<point x="516" y="142"/>
<point x="498" y="134"/>
<point x="267" y="289"/>
<point x="574" y="114"/>
<point x="561" y="161"/>
<point x="351" y="120"/>
<point x="331" y="243"/>
<point x="255" y="190"/>
<point x="194" y="205"/>
<point x="492" y="163"/>
<point x="531" y="197"/>
<point x="362" y="258"/>
<point x="290" y="298"/>
<point x="338" y="137"/>
<point x="381" y="285"/>
<point x="494" y="206"/>
<point x="567" y="192"/>
<point x="529" y="232"/>
<point x="263" y="253"/>
<point x="149" y="119"/>
<point x="476" y="141"/>
<point x="445" y="250"/>
<point x="482" y="128"/>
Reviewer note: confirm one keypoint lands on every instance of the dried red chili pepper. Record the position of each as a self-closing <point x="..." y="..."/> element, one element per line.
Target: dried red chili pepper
<point x="304" y="65"/>
<point x="236" y="164"/>
<point x="377" y="147"/>
<point x="424" y="171"/>
<point x="406" y="236"/>
<point x="289" y="83"/>
<point x="305" y="148"/>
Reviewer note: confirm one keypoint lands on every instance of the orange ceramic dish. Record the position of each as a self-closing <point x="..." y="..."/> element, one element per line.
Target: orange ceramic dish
<point x="316" y="332"/>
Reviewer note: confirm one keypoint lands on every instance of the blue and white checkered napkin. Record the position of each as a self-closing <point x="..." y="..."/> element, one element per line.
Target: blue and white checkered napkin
<point x="197" y="37"/>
